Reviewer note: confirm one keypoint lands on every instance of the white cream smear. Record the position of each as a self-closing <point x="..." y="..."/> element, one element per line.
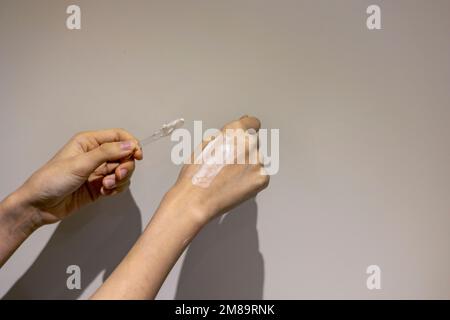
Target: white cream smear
<point x="212" y="160"/>
<point x="214" y="157"/>
<point x="164" y="131"/>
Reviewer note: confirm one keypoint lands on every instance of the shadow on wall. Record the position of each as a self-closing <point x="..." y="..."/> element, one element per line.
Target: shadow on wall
<point x="96" y="239"/>
<point x="223" y="261"/>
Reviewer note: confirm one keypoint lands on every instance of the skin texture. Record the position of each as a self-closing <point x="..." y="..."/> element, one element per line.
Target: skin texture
<point x="79" y="173"/>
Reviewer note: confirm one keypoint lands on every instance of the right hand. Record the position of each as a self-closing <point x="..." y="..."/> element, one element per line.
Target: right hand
<point x="234" y="184"/>
<point x="91" y="165"/>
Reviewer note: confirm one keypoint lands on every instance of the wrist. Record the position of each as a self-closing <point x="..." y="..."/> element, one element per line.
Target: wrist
<point x="17" y="221"/>
<point x="18" y="215"/>
<point x="185" y="205"/>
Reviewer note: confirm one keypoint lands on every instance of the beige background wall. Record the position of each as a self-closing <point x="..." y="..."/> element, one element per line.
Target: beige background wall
<point x="364" y="121"/>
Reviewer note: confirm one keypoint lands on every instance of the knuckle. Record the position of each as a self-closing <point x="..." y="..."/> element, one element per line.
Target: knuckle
<point x="263" y="181"/>
<point x="80" y="135"/>
<point x="253" y="120"/>
<point x="121" y="132"/>
<point x="233" y="125"/>
<point x="104" y="148"/>
<point x="257" y="168"/>
<point x="258" y="122"/>
<point x="117" y="133"/>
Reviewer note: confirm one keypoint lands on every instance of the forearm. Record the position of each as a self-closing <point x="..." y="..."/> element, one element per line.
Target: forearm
<point x="143" y="271"/>
<point x="17" y="222"/>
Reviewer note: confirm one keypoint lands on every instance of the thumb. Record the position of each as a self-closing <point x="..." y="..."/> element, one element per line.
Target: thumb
<point x="87" y="162"/>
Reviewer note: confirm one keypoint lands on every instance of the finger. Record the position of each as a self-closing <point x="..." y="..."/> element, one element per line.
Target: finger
<point x="86" y="163"/>
<point x="139" y="154"/>
<point x="106" y="168"/>
<point x="250" y="123"/>
<point x="93" y="139"/>
<point x="253" y="152"/>
<point x="109" y="182"/>
<point x="123" y="182"/>
<point x="245" y="123"/>
<point x="106" y="192"/>
<point x="115" y="191"/>
<point x="120" y="177"/>
<point x="123" y="187"/>
<point x="261" y="159"/>
<point x="110" y="135"/>
<point x="124" y="170"/>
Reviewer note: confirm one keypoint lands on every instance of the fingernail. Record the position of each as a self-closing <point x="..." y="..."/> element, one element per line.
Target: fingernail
<point x="251" y="131"/>
<point x="123" y="172"/>
<point x="126" y="145"/>
<point x="109" y="183"/>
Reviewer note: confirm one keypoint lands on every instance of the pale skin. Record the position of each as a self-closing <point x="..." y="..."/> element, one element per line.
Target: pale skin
<point x="100" y="163"/>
